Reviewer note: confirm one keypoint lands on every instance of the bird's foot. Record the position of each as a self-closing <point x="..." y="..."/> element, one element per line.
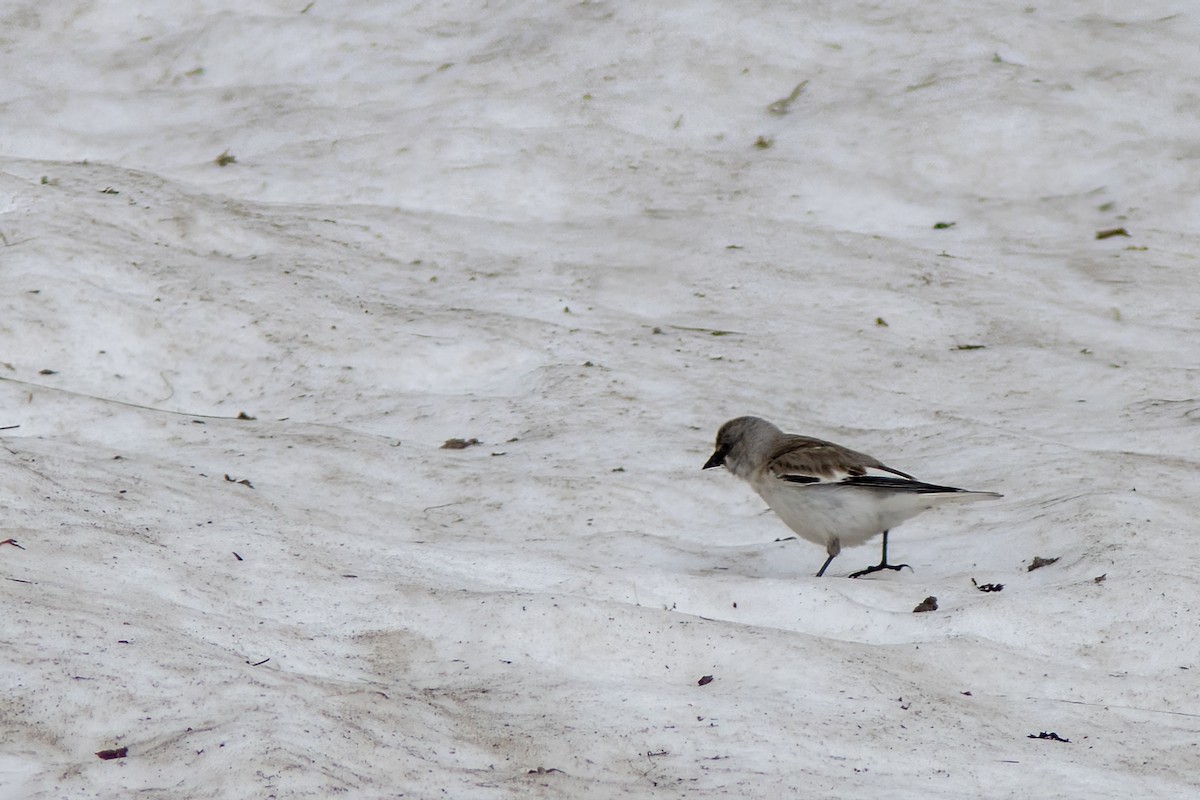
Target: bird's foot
<point x="878" y="568"/>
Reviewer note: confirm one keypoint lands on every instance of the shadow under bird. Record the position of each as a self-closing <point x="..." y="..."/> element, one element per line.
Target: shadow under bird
<point x="828" y="494"/>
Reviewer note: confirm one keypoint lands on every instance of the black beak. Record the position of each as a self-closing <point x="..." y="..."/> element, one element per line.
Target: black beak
<point x="717" y="459"/>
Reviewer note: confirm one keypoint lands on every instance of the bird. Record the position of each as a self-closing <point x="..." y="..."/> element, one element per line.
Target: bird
<point x="826" y="493"/>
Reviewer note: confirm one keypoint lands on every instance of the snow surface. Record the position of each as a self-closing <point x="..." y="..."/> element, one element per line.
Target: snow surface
<point x="523" y="222"/>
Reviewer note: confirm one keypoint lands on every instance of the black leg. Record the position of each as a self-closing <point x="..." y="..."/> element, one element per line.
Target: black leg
<point x="882" y="565"/>
<point x="824" y="566"/>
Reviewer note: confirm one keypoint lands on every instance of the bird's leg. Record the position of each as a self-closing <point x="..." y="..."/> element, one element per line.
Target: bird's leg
<point x="833" y="548"/>
<point x="882" y="565"/>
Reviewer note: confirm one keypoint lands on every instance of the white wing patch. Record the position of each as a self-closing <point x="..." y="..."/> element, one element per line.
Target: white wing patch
<point x="839" y="476"/>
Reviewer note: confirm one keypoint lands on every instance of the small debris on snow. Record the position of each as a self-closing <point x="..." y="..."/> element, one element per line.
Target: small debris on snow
<point x="705" y="681"/>
<point x="781" y="106"/>
<point x="107" y="755"/>
<point x="709" y="331"/>
<point x="988" y="587"/>
<point x="1051" y="736"/>
<point x="928" y="604"/>
<point x="1039" y="562"/>
<point x="459" y="444"/>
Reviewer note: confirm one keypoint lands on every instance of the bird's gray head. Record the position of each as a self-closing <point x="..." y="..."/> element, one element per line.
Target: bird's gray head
<point x="743" y="444"/>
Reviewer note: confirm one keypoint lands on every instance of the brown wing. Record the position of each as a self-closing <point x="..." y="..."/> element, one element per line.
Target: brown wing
<point x="803" y="459"/>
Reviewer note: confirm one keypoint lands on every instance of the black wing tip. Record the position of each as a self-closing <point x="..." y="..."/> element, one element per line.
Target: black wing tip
<point x="902" y="485"/>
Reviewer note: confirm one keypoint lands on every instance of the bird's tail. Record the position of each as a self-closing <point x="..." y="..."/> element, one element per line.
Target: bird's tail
<point x="914" y="487"/>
